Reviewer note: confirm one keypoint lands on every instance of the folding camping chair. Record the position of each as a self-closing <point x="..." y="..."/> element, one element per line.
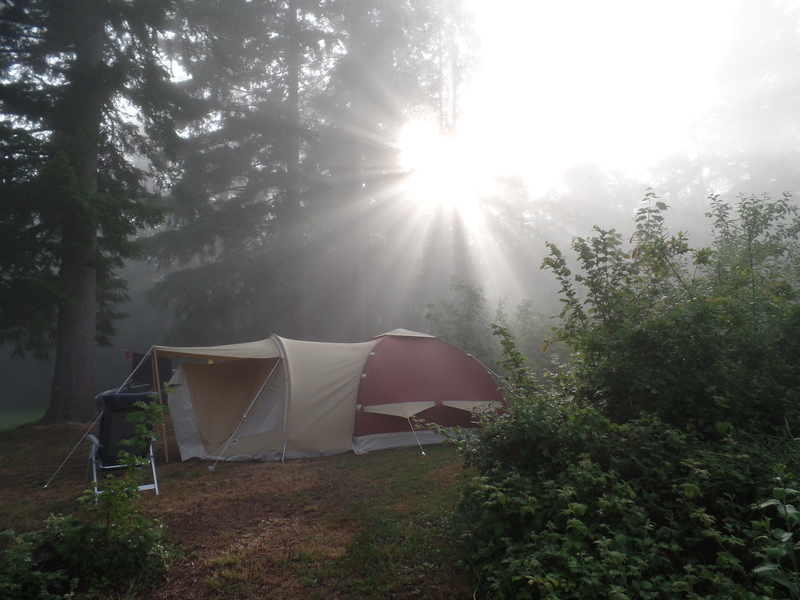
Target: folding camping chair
<point x="114" y="428"/>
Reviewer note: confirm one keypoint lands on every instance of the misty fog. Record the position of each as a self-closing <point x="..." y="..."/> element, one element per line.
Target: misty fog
<point x="430" y="194"/>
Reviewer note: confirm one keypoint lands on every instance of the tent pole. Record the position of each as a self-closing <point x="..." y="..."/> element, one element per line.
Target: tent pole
<point x="285" y="394"/>
<point x="83" y="437"/>
<point x="157" y="386"/>
<point x="246" y="412"/>
<point x="415" y="435"/>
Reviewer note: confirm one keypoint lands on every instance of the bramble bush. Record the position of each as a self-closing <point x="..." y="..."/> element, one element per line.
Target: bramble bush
<point x="114" y="545"/>
<point x="695" y="336"/>
<point x="662" y="464"/>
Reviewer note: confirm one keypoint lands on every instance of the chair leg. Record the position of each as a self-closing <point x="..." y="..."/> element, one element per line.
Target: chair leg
<point x="153" y="466"/>
<point x="95" y="479"/>
<point x="92" y="466"/>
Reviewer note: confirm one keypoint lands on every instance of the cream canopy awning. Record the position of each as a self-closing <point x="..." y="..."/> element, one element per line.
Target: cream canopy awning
<point x="261" y="349"/>
<point x="471" y="405"/>
<point x="400" y="409"/>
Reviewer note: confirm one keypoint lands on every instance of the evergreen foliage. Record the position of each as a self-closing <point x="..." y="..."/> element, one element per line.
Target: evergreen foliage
<point x="279" y="216"/>
<point x="462" y="320"/>
<point x="87" y="126"/>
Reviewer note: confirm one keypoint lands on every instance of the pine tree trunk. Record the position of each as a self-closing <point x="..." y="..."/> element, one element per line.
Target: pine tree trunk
<point x="72" y="393"/>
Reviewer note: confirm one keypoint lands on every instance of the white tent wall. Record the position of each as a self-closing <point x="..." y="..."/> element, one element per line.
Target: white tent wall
<point x="183" y="420"/>
<point x="386" y="441"/>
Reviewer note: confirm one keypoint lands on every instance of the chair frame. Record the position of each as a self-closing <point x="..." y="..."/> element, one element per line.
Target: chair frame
<point x="113" y="428"/>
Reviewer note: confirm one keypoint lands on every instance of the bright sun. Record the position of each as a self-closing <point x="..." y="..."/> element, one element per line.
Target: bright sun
<point x="448" y="178"/>
<point x="444" y="173"/>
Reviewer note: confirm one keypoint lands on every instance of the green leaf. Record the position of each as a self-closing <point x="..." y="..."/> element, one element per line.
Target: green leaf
<point x="781" y="535"/>
<point x="724" y="427"/>
<point x="776" y="552"/>
<point x="691" y="489"/>
<point x="766" y="568"/>
<point x="786" y="582"/>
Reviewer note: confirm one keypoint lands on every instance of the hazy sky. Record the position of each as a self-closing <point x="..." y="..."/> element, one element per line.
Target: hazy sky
<point x="613" y="82"/>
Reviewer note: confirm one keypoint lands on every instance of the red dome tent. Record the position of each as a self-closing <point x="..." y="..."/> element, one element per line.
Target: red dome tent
<point x="409" y="374"/>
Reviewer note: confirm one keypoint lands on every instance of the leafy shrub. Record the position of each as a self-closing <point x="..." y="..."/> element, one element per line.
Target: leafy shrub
<point x="696" y="336"/>
<point x="568" y="504"/>
<point x="21" y="578"/>
<point x="663" y="463"/>
<point x="114" y="544"/>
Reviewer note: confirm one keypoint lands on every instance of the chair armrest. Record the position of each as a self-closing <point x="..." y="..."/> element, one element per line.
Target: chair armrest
<point x="93" y="440"/>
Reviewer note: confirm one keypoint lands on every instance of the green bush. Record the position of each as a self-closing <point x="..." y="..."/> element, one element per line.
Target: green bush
<point x="696" y="336"/>
<point x="114" y="545"/>
<point x="662" y="464"/>
<point x="568" y="504"/>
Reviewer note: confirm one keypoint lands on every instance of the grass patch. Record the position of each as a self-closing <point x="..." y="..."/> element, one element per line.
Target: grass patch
<point x="404" y="544"/>
<point x="11" y="419"/>
<point x="361" y="527"/>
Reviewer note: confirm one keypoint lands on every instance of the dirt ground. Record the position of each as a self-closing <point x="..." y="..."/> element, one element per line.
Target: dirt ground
<point x="370" y="526"/>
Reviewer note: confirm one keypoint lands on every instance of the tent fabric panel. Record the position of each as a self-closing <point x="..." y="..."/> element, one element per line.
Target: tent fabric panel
<point x="267" y="443"/>
<point x="404" y="333"/>
<point x="416" y="369"/>
<point x="400" y="439"/>
<point x="310" y="453"/>
<point x="470" y="405"/>
<point x="394" y="373"/>
<point x="455" y="375"/>
<point x="400" y="409"/>
<point x="262" y="455"/>
<point x="323" y="381"/>
<point x="221" y="393"/>
<point x="260" y="349"/>
<point x="370" y="423"/>
<point x="266" y="413"/>
<point x="184" y="423"/>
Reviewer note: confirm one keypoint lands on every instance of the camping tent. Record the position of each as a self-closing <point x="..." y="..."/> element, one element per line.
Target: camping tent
<point x="280" y="398"/>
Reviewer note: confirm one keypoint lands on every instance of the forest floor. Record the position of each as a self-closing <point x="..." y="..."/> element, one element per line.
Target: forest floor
<point x="348" y="526"/>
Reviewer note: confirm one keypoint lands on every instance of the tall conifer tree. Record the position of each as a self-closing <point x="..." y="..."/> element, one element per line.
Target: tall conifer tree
<point x="86" y="109"/>
<point x="278" y="203"/>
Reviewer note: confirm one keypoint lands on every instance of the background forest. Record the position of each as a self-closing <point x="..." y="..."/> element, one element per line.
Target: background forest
<point x="254" y="174"/>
